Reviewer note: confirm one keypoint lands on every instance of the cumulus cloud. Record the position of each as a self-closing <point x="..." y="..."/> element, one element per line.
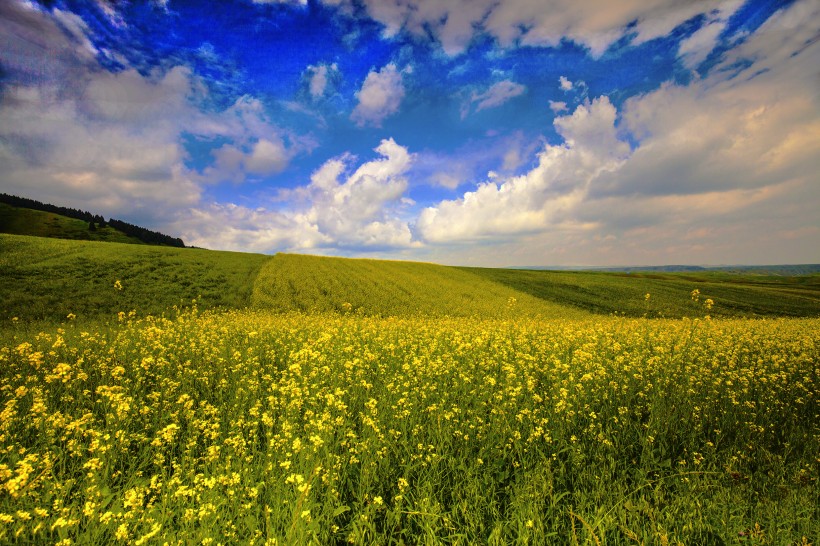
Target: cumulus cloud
<point x="595" y="24"/>
<point x="255" y="146"/>
<point x="68" y="144"/>
<point x="747" y="131"/>
<point x="360" y="209"/>
<point x="380" y="96"/>
<point x="356" y="210"/>
<point x="705" y="159"/>
<point x="533" y="201"/>
<point x="234" y="227"/>
<point x="130" y="97"/>
<point x="112" y="142"/>
<point x="497" y="94"/>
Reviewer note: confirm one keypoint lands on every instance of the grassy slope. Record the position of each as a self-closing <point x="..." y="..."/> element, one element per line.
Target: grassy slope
<point x="607" y="293"/>
<point x="291" y="282"/>
<point x="44" y="278"/>
<point x="23" y="221"/>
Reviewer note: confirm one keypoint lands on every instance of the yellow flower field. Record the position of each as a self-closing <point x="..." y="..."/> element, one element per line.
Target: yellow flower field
<point x="246" y="427"/>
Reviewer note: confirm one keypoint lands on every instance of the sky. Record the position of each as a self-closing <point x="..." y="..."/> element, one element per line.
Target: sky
<point x="462" y="132"/>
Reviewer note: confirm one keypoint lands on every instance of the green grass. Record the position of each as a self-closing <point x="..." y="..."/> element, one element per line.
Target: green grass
<point x="23" y="221"/>
<point x="43" y="278"/>
<point x="735" y="295"/>
<point x="292" y="282"/>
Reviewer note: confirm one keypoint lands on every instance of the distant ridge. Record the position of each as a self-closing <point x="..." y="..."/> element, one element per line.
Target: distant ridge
<point x="95" y="221"/>
<point x="787" y="270"/>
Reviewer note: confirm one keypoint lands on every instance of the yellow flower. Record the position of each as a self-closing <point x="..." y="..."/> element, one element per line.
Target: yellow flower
<point x="122" y="532"/>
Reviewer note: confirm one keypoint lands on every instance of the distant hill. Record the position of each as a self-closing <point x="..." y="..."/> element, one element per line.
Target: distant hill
<point x="23" y="216"/>
<point x="787" y="270"/>
<point x="624" y="292"/>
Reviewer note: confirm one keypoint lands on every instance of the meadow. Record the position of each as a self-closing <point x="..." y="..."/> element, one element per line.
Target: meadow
<point x="333" y="401"/>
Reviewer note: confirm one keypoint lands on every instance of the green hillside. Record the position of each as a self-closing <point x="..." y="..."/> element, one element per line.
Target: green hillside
<point x="24" y="221"/>
<point x="670" y="293"/>
<point x="291" y="282"/>
<point x="44" y="278"/>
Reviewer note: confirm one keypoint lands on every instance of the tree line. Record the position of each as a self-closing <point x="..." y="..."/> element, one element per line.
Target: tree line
<point x="95" y="220"/>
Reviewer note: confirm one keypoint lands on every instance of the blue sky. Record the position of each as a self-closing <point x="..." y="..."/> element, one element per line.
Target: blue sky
<point x="475" y="132"/>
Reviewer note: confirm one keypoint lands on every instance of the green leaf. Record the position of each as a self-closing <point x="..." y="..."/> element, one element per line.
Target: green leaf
<point x="340" y="510"/>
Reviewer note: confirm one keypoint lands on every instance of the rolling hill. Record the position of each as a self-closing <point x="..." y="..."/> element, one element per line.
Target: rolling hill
<point x="43" y="278"/>
<point x="291" y="282"/>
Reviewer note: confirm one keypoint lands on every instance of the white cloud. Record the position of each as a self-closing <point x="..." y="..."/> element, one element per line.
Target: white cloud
<point x="446" y="180"/>
<point x="234" y="227"/>
<point x="564" y="83"/>
<point x="355" y="211"/>
<point x="53" y="152"/>
<point x="497" y="94"/>
<point x="129" y="97"/>
<point x="318" y="78"/>
<point x="558" y="106"/>
<point x="595" y="24"/>
<point x="535" y="200"/>
<point x="694" y="49"/>
<point x="380" y="96"/>
<point x="267" y="157"/>
<point x="38" y="46"/>
<point x="111" y="142"/>
<point x="319" y="81"/>
<point x="697" y="47"/>
<point x="256" y="146"/>
<point x="722" y="171"/>
<point x="77" y="30"/>
<point x="360" y="210"/>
